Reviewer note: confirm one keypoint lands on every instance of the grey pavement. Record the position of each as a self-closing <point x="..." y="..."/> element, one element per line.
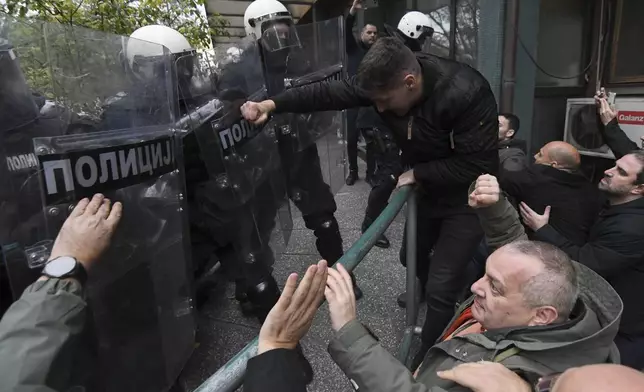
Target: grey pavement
<point x="223" y="330"/>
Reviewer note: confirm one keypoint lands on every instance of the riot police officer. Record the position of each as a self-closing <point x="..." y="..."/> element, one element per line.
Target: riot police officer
<point x="236" y="233"/>
<point x="23" y="116"/>
<point x="270" y="22"/>
<point x="215" y="231"/>
<point x="413" y="29"/>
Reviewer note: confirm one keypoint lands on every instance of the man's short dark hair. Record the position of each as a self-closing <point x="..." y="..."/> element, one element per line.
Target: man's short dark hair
<point x="364" y="28"/>
<point x="513" y="122"/>
<point x="639" y="154"/>
<point x="384" y="64"/>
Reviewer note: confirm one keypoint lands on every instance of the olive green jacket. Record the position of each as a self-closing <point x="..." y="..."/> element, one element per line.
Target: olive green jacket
<point x="42" y="344"/>
<point x="531" y="352"/>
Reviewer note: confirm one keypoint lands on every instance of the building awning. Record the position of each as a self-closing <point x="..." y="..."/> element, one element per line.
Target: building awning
<point x="233" y="12"/>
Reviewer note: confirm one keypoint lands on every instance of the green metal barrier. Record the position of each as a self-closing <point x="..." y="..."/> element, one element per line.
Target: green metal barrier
<point x="231" y="376"/>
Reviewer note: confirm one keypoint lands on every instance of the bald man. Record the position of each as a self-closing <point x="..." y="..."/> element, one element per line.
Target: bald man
<point x="600" y="378"/>
<point x="554" y="180"/>
<point x="560" y="155"/>
<point x="494" y="377"/>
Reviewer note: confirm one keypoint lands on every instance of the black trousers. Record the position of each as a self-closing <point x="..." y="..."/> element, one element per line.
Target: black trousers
<point x="313" y="197"/>
<point x="239" y="238"/>
<point x="352" y="139"/>
<point x="631" y="350"/>
<point x="387" y="168"/>
<point x="454" y="239"/>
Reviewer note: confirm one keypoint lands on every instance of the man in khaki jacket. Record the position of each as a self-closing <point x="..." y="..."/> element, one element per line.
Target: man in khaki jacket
<point x="526" y="313"/>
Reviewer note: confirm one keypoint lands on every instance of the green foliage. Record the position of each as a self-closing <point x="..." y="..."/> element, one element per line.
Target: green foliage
<point x="123" y="16"/>
<point x="80" y="68"/>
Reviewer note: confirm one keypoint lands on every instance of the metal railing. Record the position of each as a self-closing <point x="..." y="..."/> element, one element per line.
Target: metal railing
<point x="231" y="376"/>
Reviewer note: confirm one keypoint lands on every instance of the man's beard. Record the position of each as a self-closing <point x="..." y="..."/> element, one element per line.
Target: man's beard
<point x="612" y="192"/>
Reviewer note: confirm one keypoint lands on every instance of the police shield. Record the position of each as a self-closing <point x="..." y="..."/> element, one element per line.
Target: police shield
<point x="139" y="292"/>
<point x="320" y="57"/>
<point x="242" y="160"/>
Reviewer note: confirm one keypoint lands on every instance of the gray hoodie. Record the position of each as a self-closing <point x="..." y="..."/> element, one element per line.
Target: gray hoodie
<point x="512" y="155"/>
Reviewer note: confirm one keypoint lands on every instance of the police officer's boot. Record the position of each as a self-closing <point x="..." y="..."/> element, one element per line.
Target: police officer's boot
<point x="352" y="177"/>
<point x="246" y="306"/>
<point x="264" y="295"/>
<point x="382" y="241"/>
<point x="329" y="244"/>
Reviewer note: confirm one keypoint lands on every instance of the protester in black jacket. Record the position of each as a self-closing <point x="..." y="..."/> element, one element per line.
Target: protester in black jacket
<point x="443" y="116"/>
<point x="554" y="182"/>
<point x="615" y="245"/>
<point x="357" y="119"/>
<point x="511" y="151"/>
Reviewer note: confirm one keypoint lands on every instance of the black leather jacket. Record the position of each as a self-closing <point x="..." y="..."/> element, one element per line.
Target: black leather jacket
<point x="453" y="136"/>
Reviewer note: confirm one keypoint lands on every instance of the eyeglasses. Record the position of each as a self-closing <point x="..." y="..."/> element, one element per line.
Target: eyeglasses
<point x="547" y="383"/>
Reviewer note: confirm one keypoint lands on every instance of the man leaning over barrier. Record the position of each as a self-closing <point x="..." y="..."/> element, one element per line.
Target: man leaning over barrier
<point x="443" y="116"/>
<point x="535" y="311"/>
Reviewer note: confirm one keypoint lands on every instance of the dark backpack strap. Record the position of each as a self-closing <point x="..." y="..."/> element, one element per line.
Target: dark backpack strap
<point x="503" y="355"/>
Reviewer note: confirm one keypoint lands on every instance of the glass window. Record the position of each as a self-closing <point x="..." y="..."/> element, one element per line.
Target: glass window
<point x="561" y="40"/>
<point x="627" y="57"/>
<point x="439" y="14"/>
<point x="468" y="15"/>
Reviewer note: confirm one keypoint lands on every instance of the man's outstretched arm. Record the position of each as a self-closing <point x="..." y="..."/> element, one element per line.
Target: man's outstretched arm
<point x="321" y="96"/>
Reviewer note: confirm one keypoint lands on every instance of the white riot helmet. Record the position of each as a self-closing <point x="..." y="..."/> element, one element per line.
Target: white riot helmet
<point x="415" y="25"/>
<point x="271" y="22"/>
<point x="144" y="58"/>
<point x="233" y="54"/>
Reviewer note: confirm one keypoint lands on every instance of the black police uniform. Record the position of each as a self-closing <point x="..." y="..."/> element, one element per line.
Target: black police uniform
<point x="305" y="183"/>
<point x="20" y="190"/>
<point x="237" y="235"/>
<point x="306" y="186"/>
<point x="224" y="234"/>
<point x="388" y="166"/>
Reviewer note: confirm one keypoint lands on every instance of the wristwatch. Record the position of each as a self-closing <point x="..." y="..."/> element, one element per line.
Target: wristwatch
<point x="65" y="267"/>
<point x="546" y="383"/>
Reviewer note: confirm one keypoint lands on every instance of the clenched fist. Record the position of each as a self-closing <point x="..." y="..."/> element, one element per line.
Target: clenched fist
<point x="257" y="112"/>
<point x="486" y="192"/>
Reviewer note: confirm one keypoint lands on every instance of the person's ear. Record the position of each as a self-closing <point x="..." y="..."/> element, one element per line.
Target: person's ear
<point x="544" y="315"/>
<point x="410" y="81"/>
<point x="638" y="190"/>
<point x="510" y="133"/>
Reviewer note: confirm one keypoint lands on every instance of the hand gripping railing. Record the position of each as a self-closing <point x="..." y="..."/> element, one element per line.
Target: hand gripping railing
<point x="231" y="376"/>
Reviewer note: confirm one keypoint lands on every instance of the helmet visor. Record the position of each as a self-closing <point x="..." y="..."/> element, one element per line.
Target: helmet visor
<point x="279" y="34"/>
<point x="17" y="106"/>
